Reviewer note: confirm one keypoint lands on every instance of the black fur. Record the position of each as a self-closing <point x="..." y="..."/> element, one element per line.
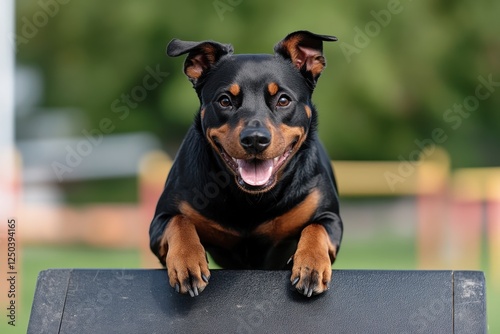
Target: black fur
<point x="201" y="178"/>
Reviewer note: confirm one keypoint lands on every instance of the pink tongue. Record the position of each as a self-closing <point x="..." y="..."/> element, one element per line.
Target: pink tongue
<point x="255" y="172"/>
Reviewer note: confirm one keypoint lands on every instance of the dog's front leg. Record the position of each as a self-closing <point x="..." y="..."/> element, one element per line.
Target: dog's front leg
<point x="186" y="259"/>
<point x="312" y="262"/>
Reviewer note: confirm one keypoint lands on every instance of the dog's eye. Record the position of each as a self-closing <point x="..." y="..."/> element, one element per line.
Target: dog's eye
<point x="283" y="101"/>
<point x="224" y="101"/>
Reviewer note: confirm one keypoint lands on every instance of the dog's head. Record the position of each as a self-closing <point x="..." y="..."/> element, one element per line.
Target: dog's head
<point x="256" y="109"/>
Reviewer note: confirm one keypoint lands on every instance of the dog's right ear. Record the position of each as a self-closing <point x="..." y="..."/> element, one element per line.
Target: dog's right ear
<point x="201" y="55"/>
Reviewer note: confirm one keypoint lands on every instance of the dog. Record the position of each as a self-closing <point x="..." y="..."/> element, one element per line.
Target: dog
<point x="251" y="183"/>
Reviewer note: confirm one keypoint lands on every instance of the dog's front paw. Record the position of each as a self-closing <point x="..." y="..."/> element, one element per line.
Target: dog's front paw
<point x="311" y="272"/>
<point x="312" y="261"/>
<point x="188" y="269"/>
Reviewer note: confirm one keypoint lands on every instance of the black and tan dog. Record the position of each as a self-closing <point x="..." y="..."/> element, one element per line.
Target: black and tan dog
<point x="251" y="183"/>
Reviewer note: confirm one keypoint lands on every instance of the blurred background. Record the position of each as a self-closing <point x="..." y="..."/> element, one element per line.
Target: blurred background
<point x="408" y="107"/>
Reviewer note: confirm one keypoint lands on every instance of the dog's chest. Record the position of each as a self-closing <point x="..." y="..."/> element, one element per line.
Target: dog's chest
<point x="228" y="234"/>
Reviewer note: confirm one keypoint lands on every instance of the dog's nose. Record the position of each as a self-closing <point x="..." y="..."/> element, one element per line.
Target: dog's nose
<point x="255" y="139"/>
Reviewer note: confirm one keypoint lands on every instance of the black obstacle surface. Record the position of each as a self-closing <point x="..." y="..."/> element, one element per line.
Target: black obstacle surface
<point x="359" y="301"/>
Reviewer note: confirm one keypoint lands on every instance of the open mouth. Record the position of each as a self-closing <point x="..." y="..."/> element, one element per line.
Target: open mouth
<point x="256" y="175"/>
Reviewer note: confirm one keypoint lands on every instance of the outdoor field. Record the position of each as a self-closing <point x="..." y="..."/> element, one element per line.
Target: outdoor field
<point x="95" y="108"/>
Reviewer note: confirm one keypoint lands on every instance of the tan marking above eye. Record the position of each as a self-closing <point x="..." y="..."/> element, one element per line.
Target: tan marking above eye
<point x="234" y="89"/>
<point x="273" y="88"/>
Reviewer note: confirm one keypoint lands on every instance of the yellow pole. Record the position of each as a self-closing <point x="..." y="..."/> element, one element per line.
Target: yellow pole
<point x="493" y="193"/>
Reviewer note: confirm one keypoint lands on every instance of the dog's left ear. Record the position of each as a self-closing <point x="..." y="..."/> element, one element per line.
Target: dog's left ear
<point x="305" y="50"/>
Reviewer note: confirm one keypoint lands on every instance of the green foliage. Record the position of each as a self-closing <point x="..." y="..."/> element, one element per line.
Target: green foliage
<point x="393" y="88"/>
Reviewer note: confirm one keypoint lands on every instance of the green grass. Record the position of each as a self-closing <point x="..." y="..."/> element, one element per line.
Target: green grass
<point x="377" y="253"/>
<point x="37" y="258"/>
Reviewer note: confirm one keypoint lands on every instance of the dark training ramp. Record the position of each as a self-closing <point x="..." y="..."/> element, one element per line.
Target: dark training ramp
<point x="359" y="301"/>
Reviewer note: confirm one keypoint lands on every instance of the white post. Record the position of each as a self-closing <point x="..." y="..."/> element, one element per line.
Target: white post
<point x="7" y="54"/>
